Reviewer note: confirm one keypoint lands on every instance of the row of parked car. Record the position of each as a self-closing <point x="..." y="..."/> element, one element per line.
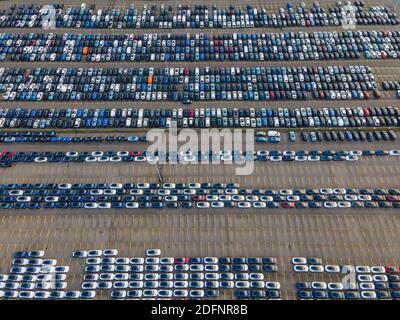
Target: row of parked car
<point x="196" y="185"/>
<point x="187" y="84"/>
<point x="194" y="195"/>
<point x="8" y="159"/>
<point x="200" y="118"/>
<point x="191" y="16"/>
<point x="333" y="291"/>
<point x="223" y="156"/>
<point x="180" y="113"/>
<point x="199" y="47"/>
<point x="348" y="135"/>
<point x="69" y="139"/>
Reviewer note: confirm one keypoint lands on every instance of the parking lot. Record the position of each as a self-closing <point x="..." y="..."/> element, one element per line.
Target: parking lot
<point x="366" y="236"/>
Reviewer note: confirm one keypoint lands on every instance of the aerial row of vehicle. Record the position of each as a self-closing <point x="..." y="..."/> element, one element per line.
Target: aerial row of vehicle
<point x="31" y="138"/>
<point x="194" y="195"/>
<point x="313" y="136"/>
<point x="199" y="118"/>
<point x="333" y="290"/>
<point x="191" y="16"/>
<point x="199" y="47"/>
<point x="187" y="84"/>
<point x="328" y="135"/>
<point x="8" y="159"/>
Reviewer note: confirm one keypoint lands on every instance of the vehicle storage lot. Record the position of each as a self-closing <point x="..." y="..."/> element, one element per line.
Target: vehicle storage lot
<point x="367" y="238"/>
<point x="349" y="236"/>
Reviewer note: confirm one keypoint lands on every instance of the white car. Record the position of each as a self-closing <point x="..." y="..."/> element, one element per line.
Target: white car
<point x="153" y="252"/>
<point x="367" y="286"/>
<point x="300" y="268"/>
<point x="335" y="286"/>
<point x="332" y="268"/>
<point x="319" y="285"/>
<point x="259" y="204"/>
<point x="132" y="205"/>
<point x="87" y="294"/>
<point x="89" y="285"/>
<point x="122" y="261"/>
<point x="299" y="260"/>
<point x="344" y="204"/>
<point x="203" y="205"/>
<point x="104" y="205"/>
<point x="110" y="252"/>
<point x="244" y="204"/>
<point x="9" y="294"/>
<point x="80" y="254"/>
<point x="217" y="204"/>
<point x="242" y="284"/>
<point x="378" y="269"/>
<point x="316" y="268"/>
<point x="363" y="269"/>
<point x="330" y="204"/>
<point x="380" y="278"/>
<point x="368" y="294"/>
<point x="364" y="278"/>
<point x="91" y="261"/>
<point x="273" y="285"/>
<point x="26" y="294"/>
<point x="40" y="159"/>
<point x="41" y="294"/>
<point x="94" y="253"/>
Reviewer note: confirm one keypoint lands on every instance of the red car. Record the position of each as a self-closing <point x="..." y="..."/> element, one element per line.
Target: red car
<point x="391" y="269"/>
<point x="181" y="260"/>
<point x="199" y="198"/>
<point x="272" y="95"/>
<point x="392" y="198"/>
<point x="287" y="205"/>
